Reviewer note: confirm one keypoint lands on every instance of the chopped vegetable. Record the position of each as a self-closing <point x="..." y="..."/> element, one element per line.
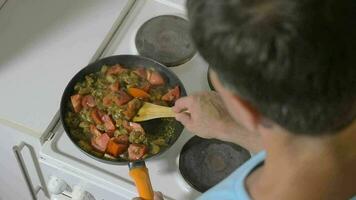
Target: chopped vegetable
<point x="137" y="151"/>
<point x="100" y="143"/>
<point x="76" y="102"/>
<point x="116" y="69"/>
<point x="109" y="124"/>
<point x="116" y="147"/>
<point x="88" y="101"/>
<point x="156" y="79"/>
<point x="141" y="72"/>
<point x="121" y="98"/>
<point x="115" y="86"/>
<point x="94" y="131"/>
<point x="95" y="116"/>
<point x="103" y="105"/>
<point x="136" y="127"/>
<point x="172" y="94"/>
<point x="138" y="93"/>
<point x="107" y="100"/>
<point x="132" y="108"/>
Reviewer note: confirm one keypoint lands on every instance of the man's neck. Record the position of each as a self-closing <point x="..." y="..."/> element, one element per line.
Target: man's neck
<point x="320" y="167"/>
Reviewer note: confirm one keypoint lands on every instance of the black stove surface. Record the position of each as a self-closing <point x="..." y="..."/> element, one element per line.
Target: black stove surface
<point x="166" y="39"/>
<point x="205" y="162"/>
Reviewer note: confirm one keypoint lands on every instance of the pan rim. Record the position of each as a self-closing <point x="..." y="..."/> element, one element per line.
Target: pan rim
<point x="79" y="75"/>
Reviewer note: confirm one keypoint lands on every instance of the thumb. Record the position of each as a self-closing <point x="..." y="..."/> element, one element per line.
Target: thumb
<point x="184" y="118"/>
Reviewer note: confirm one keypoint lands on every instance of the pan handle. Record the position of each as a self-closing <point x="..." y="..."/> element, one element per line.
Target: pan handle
<point x="139" y="173"/>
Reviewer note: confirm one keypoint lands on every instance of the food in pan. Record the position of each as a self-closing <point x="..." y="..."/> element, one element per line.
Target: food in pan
<point x="103" y="105"/>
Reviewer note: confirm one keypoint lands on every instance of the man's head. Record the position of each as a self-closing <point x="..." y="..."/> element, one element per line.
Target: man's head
<point x="292" y="61"/>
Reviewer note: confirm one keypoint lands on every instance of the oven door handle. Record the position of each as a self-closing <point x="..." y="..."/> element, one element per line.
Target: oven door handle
<point x="17" y="149"/>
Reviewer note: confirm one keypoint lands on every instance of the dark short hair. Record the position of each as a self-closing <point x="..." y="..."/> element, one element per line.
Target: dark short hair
<point x="293" y="60"/>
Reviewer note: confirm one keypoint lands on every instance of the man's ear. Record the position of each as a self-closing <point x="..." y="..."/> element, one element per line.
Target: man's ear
<point x="247" y="115"/>
<point x="242" y="111"/>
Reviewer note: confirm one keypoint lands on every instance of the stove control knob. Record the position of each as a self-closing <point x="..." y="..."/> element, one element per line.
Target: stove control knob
<point x="57" y="185"/>
<point x="80" y="194"/>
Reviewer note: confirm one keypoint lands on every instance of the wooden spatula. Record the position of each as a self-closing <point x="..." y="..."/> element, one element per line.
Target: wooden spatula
<point x="152" y="111"/>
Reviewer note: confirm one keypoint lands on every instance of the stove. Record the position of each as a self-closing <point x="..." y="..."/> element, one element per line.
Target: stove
<point x="166" y="39"/>
<point x="61" y="160"/>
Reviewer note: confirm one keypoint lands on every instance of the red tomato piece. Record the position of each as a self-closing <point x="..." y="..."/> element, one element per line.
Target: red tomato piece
<point x="95" y="116"/>
<point x="116" y="69"/>
<point x="94" y="131"/>
<point x="148" y="74"/>
<point x="145" y="86"/>
<point x="141" y="72"/>
<point x="136" y="127"/>
<point x="122" y="98"/>
<point x="76" y="102"/>
<point x="126" y="125"/>
<point x="107" y="100"/>
<point x="115" y="149"/>
<point x="172" y="94"/>
<point x="132" y="107"/>
<point x="108" y="123"/>
<point x="156" y="79"/>
<point x="88" y="101"/>
<point x="101" y="142"/>
<point x="115" y="86"/>
<point x="122" y="139"/>
<point x="137" y="151"/>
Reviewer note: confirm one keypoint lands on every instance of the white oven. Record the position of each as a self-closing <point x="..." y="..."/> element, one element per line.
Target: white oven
<point x="70" y="174"/>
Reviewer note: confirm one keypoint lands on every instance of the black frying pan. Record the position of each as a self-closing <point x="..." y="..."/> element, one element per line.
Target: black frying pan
<point x="138" y="171"/>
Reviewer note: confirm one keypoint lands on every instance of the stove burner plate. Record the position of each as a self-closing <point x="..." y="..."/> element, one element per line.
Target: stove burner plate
<point x="165" y="39"/>
<point x="205" y="162"/>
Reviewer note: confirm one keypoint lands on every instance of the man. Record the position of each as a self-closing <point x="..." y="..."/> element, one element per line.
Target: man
<point x="285" y="71"/>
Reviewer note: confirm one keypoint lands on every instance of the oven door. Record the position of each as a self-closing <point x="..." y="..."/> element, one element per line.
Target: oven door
<point x="64" y="182"/>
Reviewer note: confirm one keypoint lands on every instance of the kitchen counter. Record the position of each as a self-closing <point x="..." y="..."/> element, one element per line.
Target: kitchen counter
<point x="43" y="44"/>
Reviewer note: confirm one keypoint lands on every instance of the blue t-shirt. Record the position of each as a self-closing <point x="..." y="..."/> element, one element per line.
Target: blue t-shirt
<point x="233" y="187"/>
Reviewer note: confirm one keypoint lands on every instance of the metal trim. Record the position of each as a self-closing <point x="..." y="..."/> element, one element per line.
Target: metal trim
<point x="20" y="161"/>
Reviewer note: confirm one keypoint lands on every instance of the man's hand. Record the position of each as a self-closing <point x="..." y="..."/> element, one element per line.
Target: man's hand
<point x="207" y="117"/>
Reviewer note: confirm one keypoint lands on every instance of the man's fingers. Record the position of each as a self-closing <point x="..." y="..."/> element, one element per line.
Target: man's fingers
<point x="183" y="103"/>
<point x="158" y="196"/>
<point x="184" y="118"/>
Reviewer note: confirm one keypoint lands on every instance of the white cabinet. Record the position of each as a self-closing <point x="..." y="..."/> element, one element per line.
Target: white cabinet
<point x="13" y="184"/>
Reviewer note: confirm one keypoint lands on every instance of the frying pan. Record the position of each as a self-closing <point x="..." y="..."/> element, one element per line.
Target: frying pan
<point x="138" y="170"/>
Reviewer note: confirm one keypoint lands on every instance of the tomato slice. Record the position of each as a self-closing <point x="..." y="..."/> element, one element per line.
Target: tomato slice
<point x="172" y="94"/>
<point x="94" y="131"/>
<point x="115" y="86"/>
<point x="156" y="79"/>
<point x="132" y="107"/>
<point x="123" y="139"/>
<point x="116" y="69"/>
<point x="76" y="102"/>
<point x="136" y="127"/>
<point x="126" y="125"/>
<point x="95" y="116"/>
<point x="108" y="123"/>
<point x="137" y="151"/>
<point x="107" y="100"/>
<point x="145" y="86"/>
<point x="88" y="101"/>
<point x="100" y="143"/>
<point x="122" y="98"/>
<point x="141" y="72"/>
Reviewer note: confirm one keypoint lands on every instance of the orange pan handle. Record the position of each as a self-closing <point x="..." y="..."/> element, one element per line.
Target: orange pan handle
<point x="139" y="173"/>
